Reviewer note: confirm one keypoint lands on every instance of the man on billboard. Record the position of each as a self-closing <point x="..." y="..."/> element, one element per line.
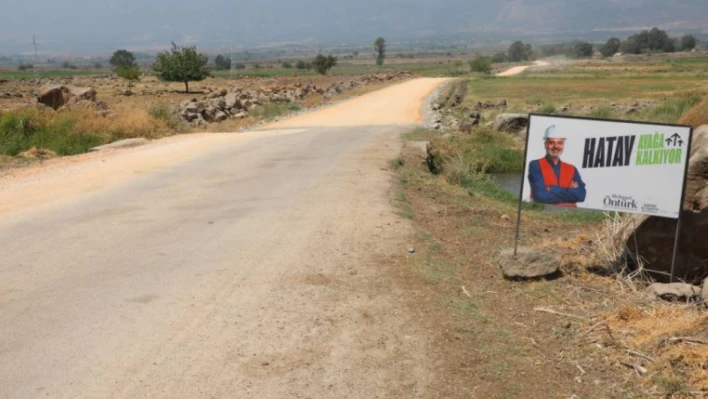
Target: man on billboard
<point x="553" y="181"/>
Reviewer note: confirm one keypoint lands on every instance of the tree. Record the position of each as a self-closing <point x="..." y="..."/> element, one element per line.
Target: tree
<point x="499" y="57"/>
<point x="97" y="65"/>
<point x="380" y="50"/>
<point x="181" y="64"/>
<point x="582" y="50"/>
<point x="356" y="53"/>
<point x="481" y="64"/>
<point x="519" y="52"/>
<point x="611" y="47"/>
<point x="123" y="58"/>
<point x="323" y="64"/>
<point x="631" y="46"/>
<point x="688" y="43"/>
<point x="457" y="63"/>
<point x="222" y="63"/>
<point x="287" y="65"/>
<point x="301" y="65"/>
<point x="131" y="74"/>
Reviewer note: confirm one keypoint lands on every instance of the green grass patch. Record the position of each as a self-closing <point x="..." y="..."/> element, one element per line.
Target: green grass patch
<point x="21" y="131"/>
<point x="29" y="74"/>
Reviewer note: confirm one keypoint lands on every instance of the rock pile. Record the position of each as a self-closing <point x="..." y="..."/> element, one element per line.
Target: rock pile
<point x="218" y="105"/>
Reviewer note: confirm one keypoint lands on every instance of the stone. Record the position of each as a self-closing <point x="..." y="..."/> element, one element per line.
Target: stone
<point x="510" y="122"/>
<point x="528" y="264"/>
<point x="240" y="115"/>
<point x="704" y="292"/>
<point x="655" y="236"/>
<point x="501" y="103"/>
<point x="83" y="93"/>
<point x="231" y="101"/>
<point x="54" y="96"/>
<point x="672" y="291"/>
<point x="220" y="116"/>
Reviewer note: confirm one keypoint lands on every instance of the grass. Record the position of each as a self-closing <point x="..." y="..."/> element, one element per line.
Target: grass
<point x="274" y="110"/>
<point x="29" y="74"/>
<point x="75" y="131"/>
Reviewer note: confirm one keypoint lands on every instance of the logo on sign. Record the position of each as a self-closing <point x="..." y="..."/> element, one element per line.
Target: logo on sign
<point x="620" y="201"/>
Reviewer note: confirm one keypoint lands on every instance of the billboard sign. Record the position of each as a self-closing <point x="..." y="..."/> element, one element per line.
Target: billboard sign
<point x="621" y="166"/>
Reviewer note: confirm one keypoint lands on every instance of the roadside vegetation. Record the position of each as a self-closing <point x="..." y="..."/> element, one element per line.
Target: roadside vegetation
<point x="591" y="328"/>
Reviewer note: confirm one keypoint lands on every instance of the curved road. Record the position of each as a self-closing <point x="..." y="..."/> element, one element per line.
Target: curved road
<point x="215" y="266"/>
<point x="520" y="69"/>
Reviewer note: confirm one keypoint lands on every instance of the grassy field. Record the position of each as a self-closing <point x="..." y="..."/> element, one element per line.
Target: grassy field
<point x="29" y="74"/>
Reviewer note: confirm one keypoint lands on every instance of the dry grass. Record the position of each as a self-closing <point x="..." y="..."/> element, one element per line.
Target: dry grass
<point x="696" y="116"/>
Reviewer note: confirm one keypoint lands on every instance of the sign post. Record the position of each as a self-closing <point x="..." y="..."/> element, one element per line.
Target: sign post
<point x="607" y="165"/>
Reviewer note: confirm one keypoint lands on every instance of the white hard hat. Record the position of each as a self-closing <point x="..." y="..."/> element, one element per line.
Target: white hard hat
<point x="551" y="133"/>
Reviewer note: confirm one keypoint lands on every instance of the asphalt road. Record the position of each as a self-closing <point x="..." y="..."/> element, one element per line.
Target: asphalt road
<point x="252" y="266"/>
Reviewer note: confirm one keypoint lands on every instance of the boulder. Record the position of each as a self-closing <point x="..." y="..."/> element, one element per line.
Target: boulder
<point x="704" y="292"/>
<point x="511" y="122"/>
<point x="231" y="100"/>
<point x="655" y="236"/>
<point x="54" y="96"/>
<point x="83" y="93"/>
<point x="674" y="291"/>
<point x="220" y="116"/>
<point x="528" y="264"/>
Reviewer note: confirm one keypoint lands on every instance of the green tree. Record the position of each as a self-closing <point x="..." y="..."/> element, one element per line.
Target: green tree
<point x="123" y="58"/>
<point x="222" y="63"/>
<point x="688" y="43"/>
<point x="131" y="74"/>
<point x="97" y="65"/>
<point x="380" y="49"/>
<point x="181" y="64"/>
<point x="481" y="64"/>
<point x="611" y="47"/>
<point x="322" y="63"/>
<point x="287" y="65"/>
<point x="631" y="46"/>
<point x="582" y="50"/>
<point x="499" y="57"/>
<point x="300" y="64"/>
<point x="518" y="51"/>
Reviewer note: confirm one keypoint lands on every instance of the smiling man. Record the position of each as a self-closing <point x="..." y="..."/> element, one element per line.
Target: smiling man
<point x="553" y="181"/>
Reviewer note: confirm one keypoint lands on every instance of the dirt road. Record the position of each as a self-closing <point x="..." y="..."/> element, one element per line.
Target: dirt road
<point x="234" y="265"/>
<point x="520" y="69"/>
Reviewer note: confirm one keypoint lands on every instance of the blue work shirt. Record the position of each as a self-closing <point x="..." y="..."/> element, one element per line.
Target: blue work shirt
<point x="556" y="194"/>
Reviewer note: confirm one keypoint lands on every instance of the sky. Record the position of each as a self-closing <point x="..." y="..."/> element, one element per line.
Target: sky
<point x="149" y="25"/>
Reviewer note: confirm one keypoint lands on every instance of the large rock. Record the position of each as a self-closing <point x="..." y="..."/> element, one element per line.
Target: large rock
<point x="527" y="264"/>
<point x="511" y="122"/>
<point x="83" y="93"/>
<point x="704" y="292"/>
<point x="674" y="291"/>
<point x="232" y="101"/>
<point x="53" y="95"/>
<point x="655" y="236"/>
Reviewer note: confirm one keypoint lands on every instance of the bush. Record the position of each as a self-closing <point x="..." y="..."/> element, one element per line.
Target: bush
<point x="164" y="113"/>
<point x="239" y="66"/>
<point x="287" y="65"/>
<point x="481" y="64"/>
<point x="611" y="47"/>
<point x="323" y="64"/>
<point x="582" y="50"/>
<point x="547" y="108"/>
<point x="688" y="43"/>
<point x="24" y="67"/>
<point x="499" y="57"/>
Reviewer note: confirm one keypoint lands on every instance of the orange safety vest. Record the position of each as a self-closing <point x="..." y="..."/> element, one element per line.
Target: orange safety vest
<point x="550" y="179"/>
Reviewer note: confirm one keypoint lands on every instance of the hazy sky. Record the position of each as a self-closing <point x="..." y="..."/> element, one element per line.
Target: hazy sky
<point x="88" y="25"/>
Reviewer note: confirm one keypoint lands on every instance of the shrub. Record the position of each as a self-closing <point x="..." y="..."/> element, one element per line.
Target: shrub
<point x="322" y="63"/>
<point x="481" y="64"/>
<point x="287" y="65"/>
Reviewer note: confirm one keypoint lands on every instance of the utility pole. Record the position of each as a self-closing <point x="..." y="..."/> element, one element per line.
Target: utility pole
<point x="231" y="58"/>
<point x="34" y="45"/>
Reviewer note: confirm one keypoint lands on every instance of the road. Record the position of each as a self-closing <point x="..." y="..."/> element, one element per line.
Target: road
<point x="520" y="69"/>
<point x="216" y="266"/>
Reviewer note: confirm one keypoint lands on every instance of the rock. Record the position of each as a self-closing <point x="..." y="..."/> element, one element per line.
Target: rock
<point x="631" y="111"/>
<point x="673" y="291"/>
<point x="436" y="126"/>
<point x="83" y="93"/>
<point x="528" y="264"/>
<point x="411" y="250"/>
<point x="54" y="96"/>
<point x="704" y="292"/>
<point x="240" y="115"/>
<point x="655" y="236"/>
<point x="220" y="116"/>
<point x="511" y="122"/>
<point x="231" y="101"/>
<point x="501" y="103"/>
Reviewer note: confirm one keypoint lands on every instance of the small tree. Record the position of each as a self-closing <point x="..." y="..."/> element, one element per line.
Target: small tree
<point x="380" y="49"/>
<point x="131" y="74"/>
<point x="123" y="58"/>
<point x="322" y="63"/>
<point x="518" y="52"/>
<point x="582" y="50"/>
<point x="611" y="47"/>
<point x="356" y="53"/>
<point x="287" y="65"/>
<point x="181" y="64"/>
<point x="481" y="64"/>
<point x="688" y="43"/>
<point x="222" y="63"/>
<point x="97" y="65"/>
